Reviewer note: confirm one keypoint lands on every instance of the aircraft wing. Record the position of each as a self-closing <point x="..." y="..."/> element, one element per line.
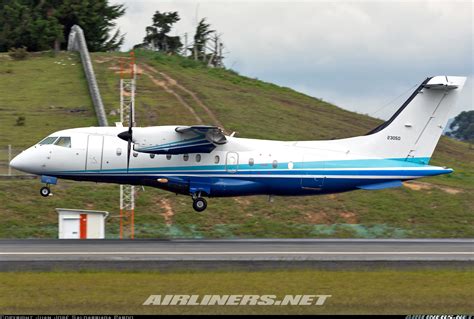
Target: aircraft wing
<point x="211" y="133"/>
<point x="187" y="139"/>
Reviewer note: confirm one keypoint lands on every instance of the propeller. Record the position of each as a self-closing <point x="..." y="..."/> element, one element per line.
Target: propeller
<point x="128" y="136"/>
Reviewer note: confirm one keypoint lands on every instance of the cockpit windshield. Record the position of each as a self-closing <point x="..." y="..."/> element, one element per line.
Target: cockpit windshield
<point x="64" y="141"/>
<point x="48" y="140"/>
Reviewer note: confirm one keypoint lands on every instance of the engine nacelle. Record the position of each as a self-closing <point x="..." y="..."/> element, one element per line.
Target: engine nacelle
<point x="169" y="140"/>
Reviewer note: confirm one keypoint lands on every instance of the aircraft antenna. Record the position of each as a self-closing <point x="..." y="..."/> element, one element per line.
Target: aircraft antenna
<point x="127" y="117"/>
<point x="393" y="100"/>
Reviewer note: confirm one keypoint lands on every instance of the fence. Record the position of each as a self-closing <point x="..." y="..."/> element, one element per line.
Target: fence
<point x="77" y="42"/>
<point x="7" y="153"/>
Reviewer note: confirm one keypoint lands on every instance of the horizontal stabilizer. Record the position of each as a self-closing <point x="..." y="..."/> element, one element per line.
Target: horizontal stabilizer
<point x="384" y="185"/>
<point x="441" y="83"/>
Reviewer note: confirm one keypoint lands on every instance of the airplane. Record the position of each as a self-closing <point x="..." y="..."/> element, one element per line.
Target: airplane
<point x="202" y="161"/>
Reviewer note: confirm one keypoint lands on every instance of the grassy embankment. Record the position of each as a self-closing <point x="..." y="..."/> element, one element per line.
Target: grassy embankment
<point x="54" y="96"/>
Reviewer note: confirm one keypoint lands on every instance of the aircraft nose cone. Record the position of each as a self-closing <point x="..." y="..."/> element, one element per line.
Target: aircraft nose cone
<point x="18" y="163"/>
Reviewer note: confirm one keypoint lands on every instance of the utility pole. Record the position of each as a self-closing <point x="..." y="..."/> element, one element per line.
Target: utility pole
<point x="9" y="159"/>
<point x="186" y="44"/>
<point x="221" y="46"/>
<point x="127" y="117"/>
<point x="195" y="51"/>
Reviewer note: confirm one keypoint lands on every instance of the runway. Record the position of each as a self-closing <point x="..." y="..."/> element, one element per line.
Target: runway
<point x="254" y="253"/>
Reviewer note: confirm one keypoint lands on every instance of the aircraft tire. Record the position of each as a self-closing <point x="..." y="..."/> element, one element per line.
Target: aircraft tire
<point x="199" y="204"/>
<point x="45" y="191"/>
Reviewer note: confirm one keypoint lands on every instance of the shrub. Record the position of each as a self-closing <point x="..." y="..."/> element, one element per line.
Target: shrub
<point x="20" y="121"/>
<point x="190" y="63"/>
<point x="18" y="53"/>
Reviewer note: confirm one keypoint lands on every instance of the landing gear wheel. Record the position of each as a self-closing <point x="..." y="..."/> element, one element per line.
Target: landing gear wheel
<point x="45" y="191"/>
<point x="199" y="204"/>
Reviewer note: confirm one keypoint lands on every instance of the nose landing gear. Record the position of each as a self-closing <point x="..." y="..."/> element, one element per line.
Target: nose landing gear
<point x="199" y="203"/>
<point x="45" y="191"/>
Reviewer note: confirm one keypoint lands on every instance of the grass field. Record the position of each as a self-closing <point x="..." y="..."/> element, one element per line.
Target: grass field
<point x="372" y="217"/>
<point x="385" y="291"/>
<point x="51" y="93"/>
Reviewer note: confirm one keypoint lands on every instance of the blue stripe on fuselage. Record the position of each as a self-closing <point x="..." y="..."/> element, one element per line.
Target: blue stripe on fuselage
<point x="363" y="163"/>
<point x="338" y="176"/>
<point x="367" y="167"/>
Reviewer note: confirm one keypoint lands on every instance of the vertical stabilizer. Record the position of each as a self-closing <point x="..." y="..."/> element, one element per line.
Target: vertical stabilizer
<point x="414" y="130"/>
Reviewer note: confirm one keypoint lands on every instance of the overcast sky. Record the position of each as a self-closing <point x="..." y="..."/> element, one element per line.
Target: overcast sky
<point x="359" y="55"/>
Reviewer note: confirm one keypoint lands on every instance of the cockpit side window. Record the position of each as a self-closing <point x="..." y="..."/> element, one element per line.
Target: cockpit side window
<point x="64" y="141"/>
<point x="48" y="140"/>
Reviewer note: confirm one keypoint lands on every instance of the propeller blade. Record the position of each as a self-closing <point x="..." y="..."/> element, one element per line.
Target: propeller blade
<point x="128" y="137"/>
<point x="129" y="147"/>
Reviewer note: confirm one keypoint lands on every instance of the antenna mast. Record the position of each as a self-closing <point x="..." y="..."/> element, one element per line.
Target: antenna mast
<point x="127" y="102"/>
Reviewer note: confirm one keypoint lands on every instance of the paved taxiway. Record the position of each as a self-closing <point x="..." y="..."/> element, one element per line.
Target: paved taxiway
<point x="42" y="254"/>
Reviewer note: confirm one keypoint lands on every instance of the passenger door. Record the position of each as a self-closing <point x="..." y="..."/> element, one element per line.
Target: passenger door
<point x="314" y="168"/>
<point x="95" y="144"/>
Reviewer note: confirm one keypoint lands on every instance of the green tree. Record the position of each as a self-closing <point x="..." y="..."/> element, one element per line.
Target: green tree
<point x="462" y="127"/>
<point x="45" y="24"/>
<point x="157" y="34"/>
<point x="96" y="18"/>
<point x="46" y="30"/>
<point x="202" y="35"/>
<point x="15" y="25"/>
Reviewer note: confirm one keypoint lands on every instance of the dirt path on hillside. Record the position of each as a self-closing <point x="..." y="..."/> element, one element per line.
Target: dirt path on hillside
<point x="168" y="213"/>
<point x="167" y="87"/>
<point x="104" y="59"/>
<point x="171" y="82"/>
<point x="418" y="186"/>
<point x="164" y="84"/>
<point x="168" y="84"/>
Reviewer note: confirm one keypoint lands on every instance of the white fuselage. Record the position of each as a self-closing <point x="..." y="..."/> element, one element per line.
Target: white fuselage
<point x="259" y="166"/>
<point x="201" y="160"/>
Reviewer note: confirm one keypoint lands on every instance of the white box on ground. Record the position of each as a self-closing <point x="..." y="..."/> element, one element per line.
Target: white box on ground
<point x="81" y="223"/>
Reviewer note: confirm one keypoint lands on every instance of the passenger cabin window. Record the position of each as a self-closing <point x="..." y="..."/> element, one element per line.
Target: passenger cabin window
<point x="48" y="140"/>
<point x="64" y="141"/>
<point x="185" y="157"/>
<point x="198" y="157"/>
<point x="216" y="159"/>
<point x="290" y="165"/>
<point x="168" y="156"/>
<point x="152" y="155"/>
<point x="119" y="151"/>
<point x="275" y="164"/>
<point x="251" y="161"/>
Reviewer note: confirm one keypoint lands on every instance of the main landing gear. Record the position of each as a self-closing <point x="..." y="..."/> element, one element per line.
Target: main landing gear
<point x="199" y="203"/>
<point x="45" y="191"/>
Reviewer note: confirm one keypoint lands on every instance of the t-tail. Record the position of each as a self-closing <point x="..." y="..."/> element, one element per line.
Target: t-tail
<point x="414" y="130"/>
